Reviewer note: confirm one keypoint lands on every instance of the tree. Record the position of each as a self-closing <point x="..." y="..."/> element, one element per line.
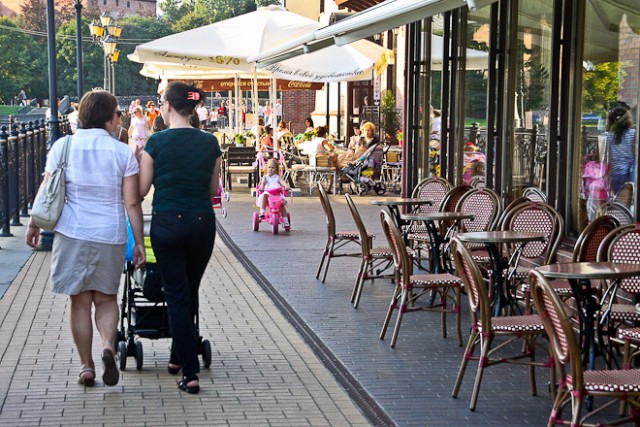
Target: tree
<point x="34" y="14"/>
<point x="23" y="64"/>
<point x="389" y="117"/>
<point x="601" y="85"/>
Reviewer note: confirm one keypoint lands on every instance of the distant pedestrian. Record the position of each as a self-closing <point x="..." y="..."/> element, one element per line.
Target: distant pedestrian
<point x="278" y="110"/>
<point x="203" y="114"/>
<point x="91" y="235"/>
<point x="620" y="147"/>
<point x="22" y="98"/>
<point x="73" y="117"/>
<point x="267" y="113"/>
<point x="138" y="131"/>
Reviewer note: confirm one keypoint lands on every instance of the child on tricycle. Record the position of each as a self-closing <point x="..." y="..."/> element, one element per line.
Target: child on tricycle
<point x="271" y="199"/>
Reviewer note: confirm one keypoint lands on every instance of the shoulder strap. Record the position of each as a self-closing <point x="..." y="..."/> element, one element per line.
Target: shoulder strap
<point x="65" y="152"/>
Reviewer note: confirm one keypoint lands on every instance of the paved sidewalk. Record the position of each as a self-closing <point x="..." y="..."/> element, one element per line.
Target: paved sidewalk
<point x="262" y="372"/>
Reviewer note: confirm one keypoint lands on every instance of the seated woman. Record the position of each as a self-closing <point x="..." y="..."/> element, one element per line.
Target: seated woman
<point x="272" y="180"/>
<point x="322" y="147"/>
<point x="283" y="131"/>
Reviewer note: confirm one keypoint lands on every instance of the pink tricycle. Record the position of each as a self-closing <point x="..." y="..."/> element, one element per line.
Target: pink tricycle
<point x="272" y="213"/>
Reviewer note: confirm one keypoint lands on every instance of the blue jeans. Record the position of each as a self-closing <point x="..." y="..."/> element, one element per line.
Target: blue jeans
<point x="182" y="244"/>
<point x="618" y="180"/>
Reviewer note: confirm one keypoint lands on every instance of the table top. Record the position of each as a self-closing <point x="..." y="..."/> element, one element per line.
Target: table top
<point x="399" y="201"/>
<point x="500" y="237"/>
<point x="436" y="216"/>
<point x="589" y="270"/>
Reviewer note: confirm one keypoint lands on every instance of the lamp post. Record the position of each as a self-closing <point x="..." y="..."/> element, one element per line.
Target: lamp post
<point x="78" y="6"/>
<point x="106" y="33"/>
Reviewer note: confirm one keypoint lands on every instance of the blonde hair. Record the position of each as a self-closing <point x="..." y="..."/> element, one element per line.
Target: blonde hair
<point x="138" y="109"/>
<point x="368" y="125"/>
<point x="274" y="162"/>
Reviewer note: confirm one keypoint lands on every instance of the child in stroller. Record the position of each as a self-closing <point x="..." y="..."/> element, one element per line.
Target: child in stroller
<point x="364" y="174"/>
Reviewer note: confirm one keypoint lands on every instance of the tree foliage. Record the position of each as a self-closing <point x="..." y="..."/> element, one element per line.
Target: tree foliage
<point x="23" y="64"/>
<point x="601" y="85"/>
<point x="34" y="14"/>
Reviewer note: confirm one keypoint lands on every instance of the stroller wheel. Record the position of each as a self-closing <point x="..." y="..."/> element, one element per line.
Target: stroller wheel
<point x="122" y="355"/>
<point x="363" y="189"/>
<point x="380" y="188"/>
<point x="139" y="356"/>
<point x="206" y="353"/>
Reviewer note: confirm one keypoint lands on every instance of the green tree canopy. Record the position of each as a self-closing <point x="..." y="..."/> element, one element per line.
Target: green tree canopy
<point x="601" y="86"/>
<point x="23" y="64"/>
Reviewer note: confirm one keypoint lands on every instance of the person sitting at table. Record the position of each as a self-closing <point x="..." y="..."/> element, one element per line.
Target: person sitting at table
<point x="266" y="143"/>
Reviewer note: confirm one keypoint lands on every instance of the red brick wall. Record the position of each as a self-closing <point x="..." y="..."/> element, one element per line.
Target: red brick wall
<point x="296" y="106"/>
<point x="630" y="55"/>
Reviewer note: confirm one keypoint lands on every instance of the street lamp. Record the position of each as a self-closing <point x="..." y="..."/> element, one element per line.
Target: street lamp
<point x="106" y="33"/>
<point x="78" y="6"/>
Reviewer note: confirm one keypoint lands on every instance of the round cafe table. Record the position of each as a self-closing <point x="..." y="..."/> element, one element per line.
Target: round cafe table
<point x="499" y="264"/>
<point x="436" y="238"/>
<point x="579" y="275"/>
<point x="393" y="205"/>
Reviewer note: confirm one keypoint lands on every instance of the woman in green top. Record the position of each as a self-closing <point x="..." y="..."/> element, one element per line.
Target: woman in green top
<point x="183" y="164"/>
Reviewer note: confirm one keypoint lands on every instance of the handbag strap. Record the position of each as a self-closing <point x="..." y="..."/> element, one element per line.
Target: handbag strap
<point x="62" y="162"/>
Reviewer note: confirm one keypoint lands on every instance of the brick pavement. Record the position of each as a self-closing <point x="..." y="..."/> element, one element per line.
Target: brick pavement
<point x="262" y="372"/>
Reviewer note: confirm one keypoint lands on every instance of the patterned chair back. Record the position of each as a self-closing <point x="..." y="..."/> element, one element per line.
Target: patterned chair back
<point x="362" y="230"/>
<point x="556" y="324"/>
<point x="536" y="217"/>
<point x="586" y="248"/>
<point x="616" y="210"/>
<point x="482" y="202"/>
<point x="328" y="212"/>
<point x="433" y="189"/>
<point x="622" y="245"/>
<point x="401" y="259"/>
<point x="468" y="270"/>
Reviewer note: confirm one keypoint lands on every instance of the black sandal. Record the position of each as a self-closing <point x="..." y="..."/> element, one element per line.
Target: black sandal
<point x="182" y="384"/>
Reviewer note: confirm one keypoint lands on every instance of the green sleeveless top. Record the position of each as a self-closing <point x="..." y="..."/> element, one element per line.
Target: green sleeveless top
<point x="183" y="162"/>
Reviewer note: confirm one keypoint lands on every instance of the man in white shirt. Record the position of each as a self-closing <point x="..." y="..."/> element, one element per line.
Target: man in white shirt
<point x="203" y="114"/>
<point x="73" y="117"/>
<point x="278" y="110"/>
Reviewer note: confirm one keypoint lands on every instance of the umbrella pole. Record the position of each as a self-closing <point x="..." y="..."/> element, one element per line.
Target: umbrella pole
<point x="272" y="100"/>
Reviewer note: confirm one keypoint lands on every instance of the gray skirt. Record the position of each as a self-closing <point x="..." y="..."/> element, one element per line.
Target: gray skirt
<point x="80" y="265"/>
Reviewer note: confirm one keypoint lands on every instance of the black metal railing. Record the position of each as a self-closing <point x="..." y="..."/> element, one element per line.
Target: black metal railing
<point x="23" y="154"/>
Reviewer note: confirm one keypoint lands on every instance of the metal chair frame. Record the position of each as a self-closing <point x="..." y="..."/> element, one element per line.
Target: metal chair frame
<point x="485" y="328"/>
<point x="409" y="288"/>
<point x="578" y="384"/>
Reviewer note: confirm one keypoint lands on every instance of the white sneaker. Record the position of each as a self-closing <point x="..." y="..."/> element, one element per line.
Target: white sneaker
<point x="261" y="213"/>
<point x="286" y="221"/>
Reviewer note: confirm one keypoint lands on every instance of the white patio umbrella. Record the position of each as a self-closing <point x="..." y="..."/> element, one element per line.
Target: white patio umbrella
<point x="476" y="59"/>
<point x="226" y="45"/>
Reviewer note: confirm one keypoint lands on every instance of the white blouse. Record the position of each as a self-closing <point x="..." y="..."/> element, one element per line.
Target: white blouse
<point x="95" y="170"/>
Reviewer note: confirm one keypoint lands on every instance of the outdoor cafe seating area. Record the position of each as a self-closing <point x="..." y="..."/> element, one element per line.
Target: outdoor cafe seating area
<point x="569" y="312"/>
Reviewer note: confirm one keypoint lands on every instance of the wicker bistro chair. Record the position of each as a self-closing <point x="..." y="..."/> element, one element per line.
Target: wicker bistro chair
<point x="618" y="210"/>
<point x="409" y="288"/>
<point x="336" y="240"/>
<point x="534" y="194"/>
<point x="621" y="245"/>
<point x="485" y="329"/>
<point x="534" y="217"/>
<point x="374" y="260"/>
<point x="578" y="384"/>
<point x="421" y="237"/>
<point x="625" y="194"/>
<point x="585" y="250"/>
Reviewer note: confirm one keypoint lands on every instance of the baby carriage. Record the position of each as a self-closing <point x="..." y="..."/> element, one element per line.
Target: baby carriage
<point x="216" y="201"/>
<point x="143" y="310"/>
<point x="364" y="174"/>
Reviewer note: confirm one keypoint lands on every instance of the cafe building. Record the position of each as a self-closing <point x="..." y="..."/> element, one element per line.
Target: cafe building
<point x="545" y="91"/>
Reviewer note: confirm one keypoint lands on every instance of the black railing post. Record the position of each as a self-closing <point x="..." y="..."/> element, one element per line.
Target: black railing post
<point x="16" y="175"/>
<point x="32" y="162"/>
<point x="4" y="153"/>
<point x="25" y="190"/>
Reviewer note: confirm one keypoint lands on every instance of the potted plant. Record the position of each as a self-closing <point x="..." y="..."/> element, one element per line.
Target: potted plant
<point x="241" y="140"/>
<point x="389" y="117"/>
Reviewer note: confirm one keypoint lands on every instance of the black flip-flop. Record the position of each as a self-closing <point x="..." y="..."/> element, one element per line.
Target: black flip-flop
<point x="87" y="382"/>
<point x="110" y="376"/>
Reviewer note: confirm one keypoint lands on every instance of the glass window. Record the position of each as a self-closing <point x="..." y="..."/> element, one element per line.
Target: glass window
<point x="605" y="152"/>
<point x="532" y="95"/>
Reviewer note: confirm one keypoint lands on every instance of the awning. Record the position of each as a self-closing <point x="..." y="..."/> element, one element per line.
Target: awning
<point x="377" y="19"/>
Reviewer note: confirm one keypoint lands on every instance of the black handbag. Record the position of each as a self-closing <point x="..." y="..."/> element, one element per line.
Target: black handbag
<point x="152" y="286"/>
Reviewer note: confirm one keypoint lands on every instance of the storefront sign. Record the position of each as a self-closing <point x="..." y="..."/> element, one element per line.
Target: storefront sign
<point x="246" y="85"/>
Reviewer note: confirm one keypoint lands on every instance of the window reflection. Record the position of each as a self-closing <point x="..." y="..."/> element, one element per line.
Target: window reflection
<point x="606" y="151"/>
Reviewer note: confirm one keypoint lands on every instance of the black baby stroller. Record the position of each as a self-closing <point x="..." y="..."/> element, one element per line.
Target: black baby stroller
<point x="364" y="174"/>
<point x="143" y="311"/>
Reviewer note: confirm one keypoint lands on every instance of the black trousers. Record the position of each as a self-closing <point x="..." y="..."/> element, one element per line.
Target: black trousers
<point x="183" y="243"/>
